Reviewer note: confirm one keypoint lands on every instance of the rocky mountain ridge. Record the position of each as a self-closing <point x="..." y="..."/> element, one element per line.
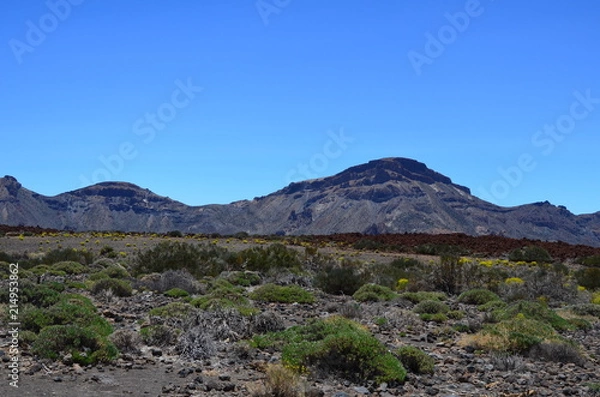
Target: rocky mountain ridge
<point x="390" y="195"/>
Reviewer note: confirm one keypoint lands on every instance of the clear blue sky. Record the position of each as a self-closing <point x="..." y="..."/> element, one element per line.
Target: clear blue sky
<point x="214" y="101"/>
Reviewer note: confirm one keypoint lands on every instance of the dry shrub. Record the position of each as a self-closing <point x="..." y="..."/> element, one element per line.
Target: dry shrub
<point x="281" y="382"/>
<point x="126" y="341"/>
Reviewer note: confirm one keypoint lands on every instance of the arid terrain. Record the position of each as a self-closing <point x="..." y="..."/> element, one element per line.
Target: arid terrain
<point x="211" y="321"/>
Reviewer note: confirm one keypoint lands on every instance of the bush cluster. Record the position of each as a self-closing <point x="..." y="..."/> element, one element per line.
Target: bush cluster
<point x="283" y="294"/>
<point x="335" y="346"/>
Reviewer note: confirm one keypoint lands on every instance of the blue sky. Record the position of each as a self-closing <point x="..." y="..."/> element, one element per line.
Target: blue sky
<point x="214" y="101"/>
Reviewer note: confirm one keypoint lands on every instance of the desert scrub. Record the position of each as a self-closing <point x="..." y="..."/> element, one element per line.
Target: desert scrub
<point x="344" y="279"/>
<point x="264" y="259"/>
<point x="177" y="293"/>
<point x="85" y="346"/>
<point x="374" y="293"/>
<point x="586" y="309"/>
<point x="415" y="360"/>
<point x="282" y="294"/>
<point x="535" y="311"/>
<point x="119" y="287"/>
<point x="222" y="294"/>
<point x="589" y="278"/>
<point x="416" y="297"/>
<point x="113" y="270"/>
<point x="244" y="279"/>
<point x="68" y="254"/>
<point x="69" y="267"/>
<point x="335" y="346"/>
<point x="70" y="309"/>
<point x="159" y="335"/>
<point x="199" y="260"/>
<point x="281" y="382"/>
<point x="388" y="274"/>
<point x="179" y="310"/>
<point x="431" y="307"/>
<point x="478" y="296"/>
<point x="530" y="254"/>
<point x="516" y="335"/>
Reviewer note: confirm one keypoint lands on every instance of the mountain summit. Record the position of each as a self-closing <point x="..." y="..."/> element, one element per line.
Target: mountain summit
<point x="390" y="195"/>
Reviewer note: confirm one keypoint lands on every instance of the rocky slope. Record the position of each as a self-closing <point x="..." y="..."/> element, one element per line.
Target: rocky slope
<point x="392" y="195"/>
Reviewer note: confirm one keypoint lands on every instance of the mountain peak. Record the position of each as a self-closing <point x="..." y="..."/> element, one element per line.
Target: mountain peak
<point x="11" y="185"/>
<point x="376" y="172"/>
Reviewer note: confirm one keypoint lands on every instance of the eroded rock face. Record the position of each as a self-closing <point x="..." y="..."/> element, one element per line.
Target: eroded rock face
<point x="391" y="195"/>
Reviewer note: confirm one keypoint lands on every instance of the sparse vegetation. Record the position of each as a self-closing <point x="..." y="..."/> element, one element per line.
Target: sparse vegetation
<point x="282" y="294"/>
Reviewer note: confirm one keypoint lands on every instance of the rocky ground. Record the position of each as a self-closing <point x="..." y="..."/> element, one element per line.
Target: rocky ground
<point x="237" y="370"/>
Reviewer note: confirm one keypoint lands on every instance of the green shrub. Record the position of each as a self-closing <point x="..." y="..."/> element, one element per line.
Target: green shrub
<point x="535" y="311"/>
<point x="415" y="360"/>
<point x="592" y="261"/>
<point x="340" y="280"/>
<point x="41" y="295"/>
<point x="588" y="278"/>
<point x="200" y="261"/>
<point x="119" y="287"/>
<point x="85" y="346"/>
<point x="374" y="293"/>
<point x="388" y="274"/>
<point x="491" y="306"/>
<point x="159" y="335"/>
<point x="245" y="279"/>
<point x="416" y="297"/>
<point x="263" y="259"/>
<point x="449" y="275"/>
<point x="222" y="294"/>
<point x="586" y="309"/>
<point x="516" y="335"/>
<point x="41" y="270"/>
<point x="111" y="271"/>
<point x="431" y="307"/>
<point x="435" y="317"/>
<point x="177" y="293"/>
<point x="70" y="309"/>
<point x="440" y="249"/>
<point x="173" y="310"/>
<point x="478" y="296"/>
<point x="69" y="267"/>
<point x="282" y="294"/>
<point x="68" y="255"/>
<point x="337" y="346"/>
<point x="530" y="253"/>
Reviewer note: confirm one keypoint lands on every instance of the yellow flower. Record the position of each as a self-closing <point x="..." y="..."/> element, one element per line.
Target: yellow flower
<point x="514" y="280"/>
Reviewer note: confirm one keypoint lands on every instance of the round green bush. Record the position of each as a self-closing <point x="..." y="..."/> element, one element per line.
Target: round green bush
<point x="416" y="360"/>
<point x="69" y="267"/>
<point x="478" y="296"/>
<point x="83" y="344"/>
<point x="282" y="294"/>
<point x="120" y="288"/>
<point x="431" y="307"/>
<point x="374" y="293"/>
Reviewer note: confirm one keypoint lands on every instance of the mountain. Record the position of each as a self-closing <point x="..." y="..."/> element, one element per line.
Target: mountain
<point x="390" y="195"/>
